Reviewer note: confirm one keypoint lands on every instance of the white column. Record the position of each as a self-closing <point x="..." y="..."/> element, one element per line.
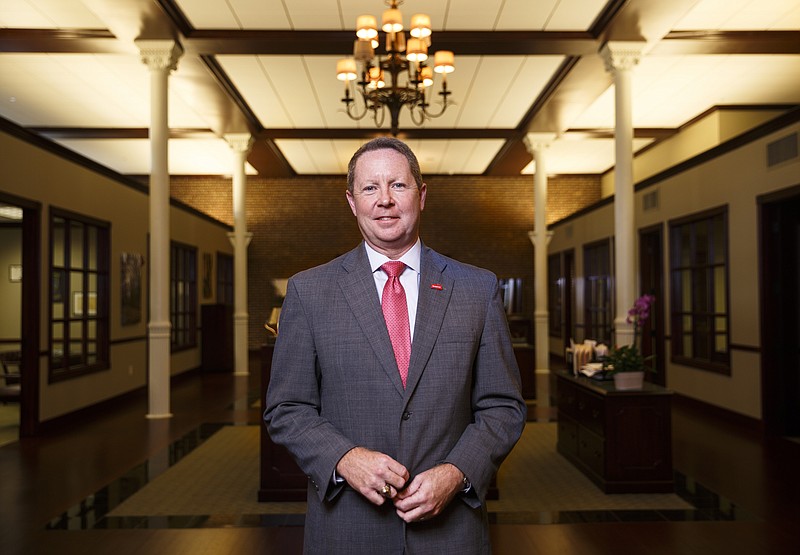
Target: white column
<point x="240" y="143"/>
<point x="620" y="59"/>
<point x="161" y="57"/>
<point x="536" y="143"/>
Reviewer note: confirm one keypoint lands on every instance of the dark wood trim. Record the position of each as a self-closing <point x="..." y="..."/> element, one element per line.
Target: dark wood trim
<point x="117" y="133"/>
<point x="791" y="117"/>
<point x="134" y="182"/>
<point x="728" y="42"/>
<point x="67" y="154"/>
<point x="72" y="41"/>
<point x="125" y="340"/>
<point x="582" y="212"/>
<point x="783" y="194"/>
<point x="745" y="348"/>
<point x="326" y="42"/>
<point x="98" y="411"/>
<point x="742" y="422"/>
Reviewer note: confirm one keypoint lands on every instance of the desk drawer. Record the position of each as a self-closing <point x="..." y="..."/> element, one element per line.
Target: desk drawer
<point x="591" y="412"/>
<point x="591" y="452"/>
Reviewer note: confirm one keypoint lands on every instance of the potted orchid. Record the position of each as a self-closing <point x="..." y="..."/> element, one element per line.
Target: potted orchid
<point x="626" y="363"/>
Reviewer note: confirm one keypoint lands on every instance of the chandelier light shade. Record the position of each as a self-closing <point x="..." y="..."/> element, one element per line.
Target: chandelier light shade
<point x="388" y="81"/>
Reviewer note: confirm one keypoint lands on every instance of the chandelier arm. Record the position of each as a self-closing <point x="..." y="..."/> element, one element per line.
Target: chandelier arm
<point x="350" y="102"/>
<point x="444" y="93"/>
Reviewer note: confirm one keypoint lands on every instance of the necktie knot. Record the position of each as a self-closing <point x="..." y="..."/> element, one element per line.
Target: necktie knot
<point x="393" y="268"/>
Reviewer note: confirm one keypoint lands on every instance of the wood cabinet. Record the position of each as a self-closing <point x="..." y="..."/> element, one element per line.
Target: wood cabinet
<point x="622" y="440"/>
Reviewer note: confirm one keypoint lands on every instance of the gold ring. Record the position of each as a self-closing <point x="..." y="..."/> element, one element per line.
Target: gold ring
<point x="386" y="490"/>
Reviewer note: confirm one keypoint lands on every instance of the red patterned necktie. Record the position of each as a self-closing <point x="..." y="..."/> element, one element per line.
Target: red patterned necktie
<point x="395" y="311"/>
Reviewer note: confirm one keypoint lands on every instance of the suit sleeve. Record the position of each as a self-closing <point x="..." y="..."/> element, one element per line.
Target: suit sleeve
<point x="292" y="413"/>
<point x="499" y="411"/>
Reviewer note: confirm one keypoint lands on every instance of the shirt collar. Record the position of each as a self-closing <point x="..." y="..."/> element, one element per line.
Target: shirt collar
<point x="410" y="258"/>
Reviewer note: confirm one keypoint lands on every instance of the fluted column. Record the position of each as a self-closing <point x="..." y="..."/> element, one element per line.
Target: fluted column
<point x="240" y="143"/>
<point x="536" y="143"/>
<point x="161" y="57"/>
<point x="620" y="59"/>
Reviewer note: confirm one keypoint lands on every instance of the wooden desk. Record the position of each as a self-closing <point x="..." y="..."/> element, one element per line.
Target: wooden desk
<point x="622" y="440"/>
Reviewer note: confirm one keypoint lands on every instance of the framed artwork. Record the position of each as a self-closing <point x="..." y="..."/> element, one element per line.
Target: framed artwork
<point x="77" y="303"/>
<point x="14" y="273"/>
<point x="131" y="287"/>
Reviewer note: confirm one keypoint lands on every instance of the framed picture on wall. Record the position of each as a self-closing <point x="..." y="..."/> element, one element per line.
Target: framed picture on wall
<point x="131" y="287"/>
<point x="14" y="273"/>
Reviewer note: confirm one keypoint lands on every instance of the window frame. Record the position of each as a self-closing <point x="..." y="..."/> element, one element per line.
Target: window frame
<point x="183" y="315"/>
<point x="225" y="279"/>
<point x="79" y="309"/>
<point x="700" y="272"/>
<point x="598" y="329"/>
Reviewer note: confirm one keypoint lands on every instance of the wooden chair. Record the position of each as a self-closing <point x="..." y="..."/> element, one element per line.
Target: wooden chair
<point x="10" y="385"/>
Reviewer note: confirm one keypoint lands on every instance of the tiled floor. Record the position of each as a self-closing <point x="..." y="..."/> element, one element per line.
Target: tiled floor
<point x="57" y="489"/>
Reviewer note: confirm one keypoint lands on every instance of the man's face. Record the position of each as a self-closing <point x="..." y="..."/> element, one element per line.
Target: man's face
<point x="386" y="201"/>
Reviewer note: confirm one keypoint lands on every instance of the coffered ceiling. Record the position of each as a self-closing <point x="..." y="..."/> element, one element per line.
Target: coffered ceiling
<point x="70" y="71"/>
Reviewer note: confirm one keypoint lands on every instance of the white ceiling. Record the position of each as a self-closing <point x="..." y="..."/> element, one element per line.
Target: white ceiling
<point x="300" y="93"/>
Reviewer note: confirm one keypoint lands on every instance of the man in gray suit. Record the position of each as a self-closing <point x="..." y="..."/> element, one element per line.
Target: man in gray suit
<point x="400" y="449"/>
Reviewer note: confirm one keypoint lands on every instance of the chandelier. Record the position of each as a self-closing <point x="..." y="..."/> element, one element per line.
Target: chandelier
<point x="400" y="77"/>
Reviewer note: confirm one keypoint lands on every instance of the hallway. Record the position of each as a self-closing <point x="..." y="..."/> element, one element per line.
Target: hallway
<point x="46" y="476"/>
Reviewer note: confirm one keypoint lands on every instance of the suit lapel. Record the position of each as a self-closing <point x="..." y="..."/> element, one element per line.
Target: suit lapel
<point x="434" y="295"/>
<point x="358" y="287"/>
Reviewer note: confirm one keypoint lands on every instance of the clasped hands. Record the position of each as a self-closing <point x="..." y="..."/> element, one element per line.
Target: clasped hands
<point x="425" y="496"/>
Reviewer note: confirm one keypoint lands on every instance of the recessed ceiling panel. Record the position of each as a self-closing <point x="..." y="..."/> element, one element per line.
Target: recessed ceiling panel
<point x="48" y="14"/>
<point x="186" y="156"/>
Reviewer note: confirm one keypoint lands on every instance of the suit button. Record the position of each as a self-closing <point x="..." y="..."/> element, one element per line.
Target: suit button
<point x="406" y="415"/>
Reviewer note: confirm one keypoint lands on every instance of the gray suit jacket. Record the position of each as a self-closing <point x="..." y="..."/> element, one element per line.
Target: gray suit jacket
<point x="335" y="386"/>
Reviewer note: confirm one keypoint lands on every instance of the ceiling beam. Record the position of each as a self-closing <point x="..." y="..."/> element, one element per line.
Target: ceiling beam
<point x="464" y="43"/>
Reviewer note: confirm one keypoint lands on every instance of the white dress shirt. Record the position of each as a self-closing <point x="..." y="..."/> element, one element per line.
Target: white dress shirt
<point x="409" y="279"/>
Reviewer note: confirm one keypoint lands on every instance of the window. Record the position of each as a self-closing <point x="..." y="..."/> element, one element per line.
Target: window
<point x="597" y="291"/>
<point x="699" y="291"/>
<point x="555" y="295"/>
<point x="183" y="296"/>
<point x="79" y="291"/>
<point x="224" y="279"/>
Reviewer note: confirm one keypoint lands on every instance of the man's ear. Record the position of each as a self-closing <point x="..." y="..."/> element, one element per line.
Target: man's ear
<point x="423" y="191"/>
<point x="351" y="201"/>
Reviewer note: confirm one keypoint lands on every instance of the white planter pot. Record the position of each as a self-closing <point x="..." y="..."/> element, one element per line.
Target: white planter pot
<point x="628" y="380"/>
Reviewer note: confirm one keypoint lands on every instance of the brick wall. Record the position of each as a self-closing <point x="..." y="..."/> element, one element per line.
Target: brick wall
<point x="301" y="222"/>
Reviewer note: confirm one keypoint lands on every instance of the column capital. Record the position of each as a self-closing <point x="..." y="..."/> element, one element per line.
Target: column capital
<point x="159" y="54"/>
<point x="239" y="142"/>
<point x="534" y="141"/>
<point x="622" y="55"/>
<point x="533" y="236"/>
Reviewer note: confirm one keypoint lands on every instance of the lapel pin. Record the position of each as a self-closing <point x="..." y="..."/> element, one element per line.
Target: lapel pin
<point x="437" y="286"/>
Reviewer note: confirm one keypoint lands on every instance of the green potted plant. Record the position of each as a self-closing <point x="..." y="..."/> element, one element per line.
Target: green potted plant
<point x="626" y="363"/>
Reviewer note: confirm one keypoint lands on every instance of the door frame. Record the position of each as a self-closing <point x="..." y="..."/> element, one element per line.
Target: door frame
<point x="651" y="281"/>
<point x="30" y="324"/>
<point x="778" y="278"/>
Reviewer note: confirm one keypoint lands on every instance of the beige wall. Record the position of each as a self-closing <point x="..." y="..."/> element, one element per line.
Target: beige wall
<point x="735" y="180"/>
<point x="35" y="174"/>
<point x="716" y="127"/>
